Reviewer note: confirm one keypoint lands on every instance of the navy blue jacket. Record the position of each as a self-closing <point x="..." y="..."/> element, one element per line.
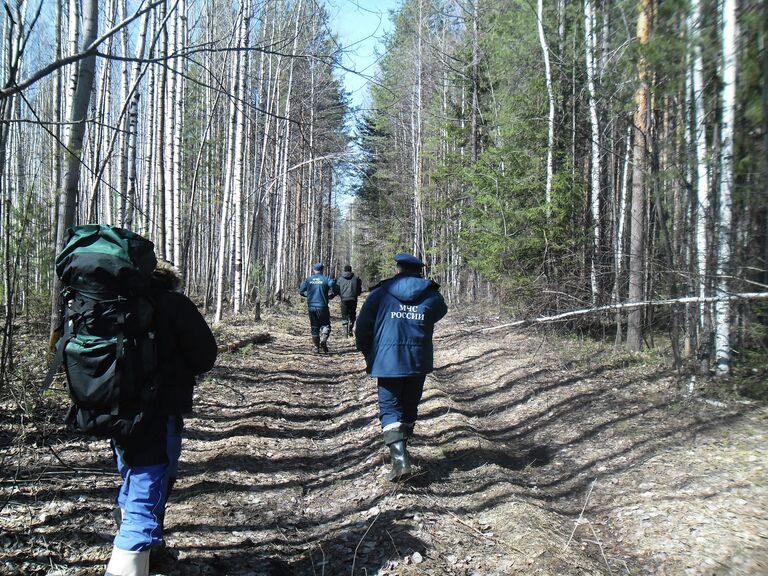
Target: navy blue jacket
<point x="395" y="326"/>
<point x="317" y="289"/>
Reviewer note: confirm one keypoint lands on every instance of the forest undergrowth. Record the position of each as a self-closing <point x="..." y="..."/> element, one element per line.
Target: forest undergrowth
<point x="535" y="454"/>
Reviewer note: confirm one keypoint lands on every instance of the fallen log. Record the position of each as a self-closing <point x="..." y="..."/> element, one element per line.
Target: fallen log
<point x="236" y="344"/>
<point x="628" y="306"/>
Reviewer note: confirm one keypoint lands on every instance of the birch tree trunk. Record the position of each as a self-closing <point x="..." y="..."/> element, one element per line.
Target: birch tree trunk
<point x="169" y="150"/>
<point x="178" y="124"/>
<point x="132" y="200"/>
<point x="82" y="85"/>
<point x="159" y="151"/>
<point x="728" y="113"/>
<point x="475" y="80"/>
<point x="589" y="43"/>
<point x="238" y="184"/>
<point x="77" y="116"/>
<point x="701" y="213"/>
<point x="551" y="98"/>
<point x="227" y="193"/>
<point x="282" y="238"/>
<point x="416" y="129"/>
<point x="618" y="245"/>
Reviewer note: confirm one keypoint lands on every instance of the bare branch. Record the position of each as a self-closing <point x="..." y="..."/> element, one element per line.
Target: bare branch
<point x="16" y="87"/>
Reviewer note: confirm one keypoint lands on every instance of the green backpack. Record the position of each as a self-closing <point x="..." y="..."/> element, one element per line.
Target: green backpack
<point x="107" y="343"/>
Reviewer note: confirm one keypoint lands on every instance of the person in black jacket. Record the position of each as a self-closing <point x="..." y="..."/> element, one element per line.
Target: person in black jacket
<point x="148" y="463"/>
<point x="349" y="287"/>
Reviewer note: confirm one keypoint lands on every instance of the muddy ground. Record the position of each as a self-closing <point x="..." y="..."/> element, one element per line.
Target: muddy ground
<point x="536" y="455"/>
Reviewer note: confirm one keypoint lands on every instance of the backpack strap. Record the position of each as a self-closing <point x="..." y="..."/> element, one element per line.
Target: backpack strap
<point x="60" y="345"/>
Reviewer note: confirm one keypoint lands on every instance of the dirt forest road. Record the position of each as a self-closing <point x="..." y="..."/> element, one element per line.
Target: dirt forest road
<point x="535" y="455"/>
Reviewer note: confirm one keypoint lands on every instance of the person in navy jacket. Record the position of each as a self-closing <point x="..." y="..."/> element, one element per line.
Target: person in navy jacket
<point x="394" y="333"/>
<point x="318" y="289"/>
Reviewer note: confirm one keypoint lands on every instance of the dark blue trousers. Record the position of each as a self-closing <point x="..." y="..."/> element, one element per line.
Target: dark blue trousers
<point x="399" y="399"/>
<point x="319" y="319"/>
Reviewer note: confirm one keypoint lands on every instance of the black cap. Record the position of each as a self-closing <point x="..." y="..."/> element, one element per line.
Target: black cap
<point x="347" y="268"/>
<point x="408" y="260"/>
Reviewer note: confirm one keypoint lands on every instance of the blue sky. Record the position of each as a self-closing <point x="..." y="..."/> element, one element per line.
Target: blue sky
<point x="361" y="26"/>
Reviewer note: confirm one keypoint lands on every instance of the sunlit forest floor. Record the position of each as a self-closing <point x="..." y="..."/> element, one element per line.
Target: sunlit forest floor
<point x="535" y="455"/>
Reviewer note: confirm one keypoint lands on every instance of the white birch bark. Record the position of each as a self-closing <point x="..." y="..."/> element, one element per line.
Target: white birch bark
<point x="416" y="128"/>
<point x="728" y="112"/>
<point x="618" y="245"/>
<point x="169" y="150"/>
<point x="224" y="237"/>
<point x="77" y="115"/>
<point x="589" y="43"/>
<point x="238" y="183"/>
<point x="551" y="98"/>
<point x="73" y="35"/>
<point x="701" y="164"/>
<point x="178" y="113"/>
<point x="132" y="200"/>
<point x="282" y="237"/>
<point x="160" y="217"/>
<point x="125" y="125"/>
<point x="149" y="148"/>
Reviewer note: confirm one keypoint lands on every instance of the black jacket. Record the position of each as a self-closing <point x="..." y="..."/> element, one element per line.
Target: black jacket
<point x="349" y="286"/>
<point x="186" y="348"/>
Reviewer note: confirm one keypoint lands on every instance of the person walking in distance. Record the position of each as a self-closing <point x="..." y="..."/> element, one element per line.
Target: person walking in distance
<point x="350" y="287"/>
<point x="318" y="289"/>
<point x="394" y="333"/>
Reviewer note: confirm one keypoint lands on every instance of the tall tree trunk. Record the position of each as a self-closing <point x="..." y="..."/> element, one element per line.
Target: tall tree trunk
<point x="227" y="193"/>
<point x="589" y="43"/>
<point x="238" y="184"/>
<point x="638" y="229"/>
<point x="77" y="115"/>
<point x="56" y="196"/>
<point x="701" y="175"/>
<point x="551" y="98"/>
<point x="131" y="194"/>
<point x="728" y="114"/>
<point x="178" y="125"/>
<point x="618" y="245"/>
<point x="475" y="107"/>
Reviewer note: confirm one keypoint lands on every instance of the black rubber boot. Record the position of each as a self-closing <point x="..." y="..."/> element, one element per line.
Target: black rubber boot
<point x="394" y="439"/>
<point x="351" y="326"/>
<point x="316" y="342"/>
<point x="324" y="341"/>
<point x="401" y="464"/>
<point x="345" y="329"/>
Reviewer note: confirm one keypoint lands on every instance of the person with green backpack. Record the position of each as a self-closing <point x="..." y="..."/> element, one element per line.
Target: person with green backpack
<point x="131" y="346"/>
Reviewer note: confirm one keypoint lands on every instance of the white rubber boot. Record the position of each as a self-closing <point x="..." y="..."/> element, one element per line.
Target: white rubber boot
<point x="128" y="563"/>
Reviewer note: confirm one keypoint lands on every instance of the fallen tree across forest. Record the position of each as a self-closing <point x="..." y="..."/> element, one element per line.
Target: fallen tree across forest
<point x="627" y="306"/>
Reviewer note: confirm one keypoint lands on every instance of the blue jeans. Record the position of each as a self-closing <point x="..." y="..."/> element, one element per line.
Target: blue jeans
<point x="399" y="399"/>
<point x="144" y="492"/>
